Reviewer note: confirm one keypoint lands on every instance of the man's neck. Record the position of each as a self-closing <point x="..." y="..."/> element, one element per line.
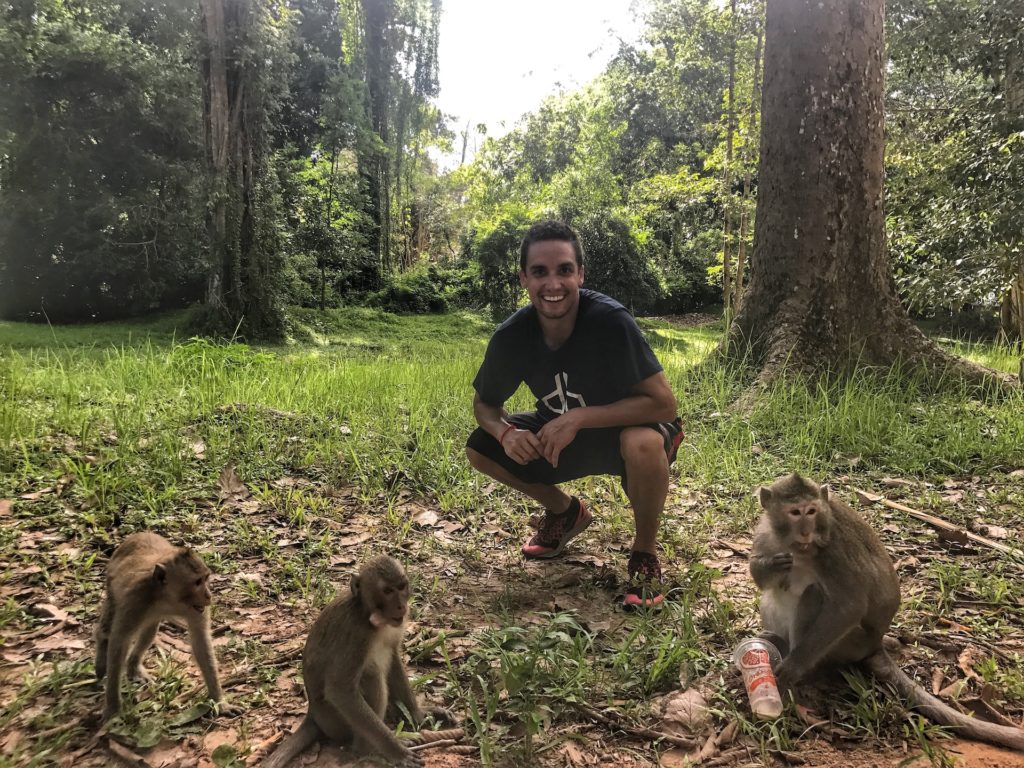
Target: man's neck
<point x="557" y="332"/>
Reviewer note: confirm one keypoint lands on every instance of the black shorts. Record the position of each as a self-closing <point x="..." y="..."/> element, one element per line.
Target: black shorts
<point x="593" y="452"/>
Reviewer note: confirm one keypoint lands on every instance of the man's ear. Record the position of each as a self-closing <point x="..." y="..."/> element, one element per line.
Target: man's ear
<point x="522" y="278"/>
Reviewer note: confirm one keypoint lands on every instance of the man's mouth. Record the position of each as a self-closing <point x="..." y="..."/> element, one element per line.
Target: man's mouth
<point x="553" y="299"/>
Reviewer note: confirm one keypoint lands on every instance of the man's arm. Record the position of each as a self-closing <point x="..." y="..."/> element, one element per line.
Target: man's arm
<point x="650" y="401"/>
<point x="521" y="445"/>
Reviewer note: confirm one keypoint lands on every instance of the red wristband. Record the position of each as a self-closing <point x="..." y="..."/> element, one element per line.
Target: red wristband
<point x="501" y="440"/>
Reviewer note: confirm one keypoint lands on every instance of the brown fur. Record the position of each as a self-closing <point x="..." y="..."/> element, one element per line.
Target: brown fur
<point x="353" y="669"/>
<point x="830" y="592"/>
<point x="150" y="580"/>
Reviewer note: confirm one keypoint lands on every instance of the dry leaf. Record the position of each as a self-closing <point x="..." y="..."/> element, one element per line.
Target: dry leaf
<point x="991" y="531"/>
<point x="230" y="484"/>
<point x="866" y="498"/>
<point x="896" y="482"/>
<point x="353" y="539"/>
<point x="938" y="678"/>
<point x="36" y="494"/>
<point x="953" y="690"/>
<point x="573" y="754"/>
<point x="1017" y="473"/>
<point x="48" y="612"/>
<point x="426" y="518"/>
<point x="199" y="449"/>
<point x="688" y="709"/>
<point x="6" y="507"/>
<point x="676" y="758"/>
<point x="957" y="536"/>
<point x="59" y="642"/>
<point x="968" y="658"/>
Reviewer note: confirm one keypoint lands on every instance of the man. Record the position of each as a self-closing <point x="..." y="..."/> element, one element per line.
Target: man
<point x="604" y="405"/>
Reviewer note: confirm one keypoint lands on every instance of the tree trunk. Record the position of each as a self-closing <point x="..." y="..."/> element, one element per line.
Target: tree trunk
<point x="730" y="114"/>
<point x="821" y="295"/>
<point x="741" y="246"/>
<point x="241" y="289"/>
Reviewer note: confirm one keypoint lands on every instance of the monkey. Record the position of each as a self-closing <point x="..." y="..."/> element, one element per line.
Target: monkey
<point x="829" y="594"/>
<point x="353" y="669"/>
<point x="150" y="580"/>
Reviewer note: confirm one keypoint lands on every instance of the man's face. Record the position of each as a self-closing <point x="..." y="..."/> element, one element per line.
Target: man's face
<point x="552" y="278"/>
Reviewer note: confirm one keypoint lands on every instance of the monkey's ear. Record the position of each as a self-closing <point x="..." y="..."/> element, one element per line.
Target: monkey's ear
<point x="159" y="573"/>
<point x="355" y="584"/>
<point x="823" y="492"/>
<point x="765" y="496"/>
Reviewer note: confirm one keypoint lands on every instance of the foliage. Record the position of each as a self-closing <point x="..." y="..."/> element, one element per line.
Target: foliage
<point x="497" y="252"/>
<point x="956" y="158"/>
<point x="427" y="287"/>
<point x="616" y="263"/>
<point x="100" y="149"/>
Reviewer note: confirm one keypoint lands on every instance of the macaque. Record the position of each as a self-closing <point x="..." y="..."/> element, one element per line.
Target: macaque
<point x="150" y="580"/>
<point x="829" y="594"/>
<point x="353" y="670"/>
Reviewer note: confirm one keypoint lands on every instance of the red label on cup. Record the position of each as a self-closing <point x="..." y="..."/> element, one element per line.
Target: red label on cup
<point x="755" y="657"/>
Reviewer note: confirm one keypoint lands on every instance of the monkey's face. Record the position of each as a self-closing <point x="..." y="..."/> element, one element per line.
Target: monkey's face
<point x="801" y="519"/>
<point x="194" y="587"/>
<point x="386" y="600"/>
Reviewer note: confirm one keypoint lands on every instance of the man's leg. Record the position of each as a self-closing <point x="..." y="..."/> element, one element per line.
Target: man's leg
<point x="646" y="465"/>
<point x="548" y="496"/>
<point x="643" y="452"/>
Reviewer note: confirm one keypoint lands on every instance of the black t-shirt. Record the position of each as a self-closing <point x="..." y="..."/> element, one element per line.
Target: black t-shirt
<point x="600" y="363"/>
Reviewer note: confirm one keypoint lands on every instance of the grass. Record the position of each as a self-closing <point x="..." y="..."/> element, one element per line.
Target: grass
<point x="358" y="426"/>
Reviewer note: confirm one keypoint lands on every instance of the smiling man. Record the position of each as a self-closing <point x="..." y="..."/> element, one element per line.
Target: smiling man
<point x="603" y="406"/>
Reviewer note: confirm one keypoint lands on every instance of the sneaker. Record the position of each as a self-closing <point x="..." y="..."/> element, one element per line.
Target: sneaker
<point x="644" y="573"/>
<point x="558" y="530"/>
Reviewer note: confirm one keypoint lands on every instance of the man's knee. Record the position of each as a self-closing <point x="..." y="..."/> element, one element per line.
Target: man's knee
<point x="642" y="446"/>
<point x="476" y="459"/>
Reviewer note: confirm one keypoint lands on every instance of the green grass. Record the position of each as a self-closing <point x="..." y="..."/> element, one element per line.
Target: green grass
<point x="358" y="423"/>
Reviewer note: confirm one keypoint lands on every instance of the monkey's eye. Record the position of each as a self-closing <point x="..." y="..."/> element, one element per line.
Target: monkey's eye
<point x="794" y="512"/>
<point x="199" y="582"/>
<point x="389" y="591"/>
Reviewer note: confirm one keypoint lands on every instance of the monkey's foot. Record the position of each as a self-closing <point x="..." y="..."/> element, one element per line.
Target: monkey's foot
<point x="558" y="530"/>
<point x="644" y="572"/>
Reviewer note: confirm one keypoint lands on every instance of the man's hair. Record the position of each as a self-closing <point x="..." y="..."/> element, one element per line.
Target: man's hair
<point x="550" y="230"/>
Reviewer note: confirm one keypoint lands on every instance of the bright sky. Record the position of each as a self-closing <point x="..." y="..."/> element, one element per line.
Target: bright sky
<point x="500" y="58"/>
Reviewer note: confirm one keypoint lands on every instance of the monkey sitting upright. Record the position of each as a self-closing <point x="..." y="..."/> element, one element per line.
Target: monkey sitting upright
<point x="150" y="580"/>
<point x="829" y="594"/>
<point x="353" y="670"/>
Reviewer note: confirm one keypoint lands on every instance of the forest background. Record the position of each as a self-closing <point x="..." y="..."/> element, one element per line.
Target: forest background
<point x="112" y="201"/>
<point x="275" y="166"/>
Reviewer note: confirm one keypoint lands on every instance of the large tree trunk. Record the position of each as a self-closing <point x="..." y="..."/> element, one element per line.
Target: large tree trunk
<point x="241" y="290"/>
<point x="821" y="294"/>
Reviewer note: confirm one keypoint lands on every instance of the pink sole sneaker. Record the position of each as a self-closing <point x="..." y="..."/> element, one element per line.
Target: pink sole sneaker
<point x="551" y="539"/>
<point x="634" y="600"/>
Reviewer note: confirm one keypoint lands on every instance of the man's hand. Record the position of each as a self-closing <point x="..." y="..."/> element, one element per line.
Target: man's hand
<point x="557" y="434"/>
<point x="521" y="445"/>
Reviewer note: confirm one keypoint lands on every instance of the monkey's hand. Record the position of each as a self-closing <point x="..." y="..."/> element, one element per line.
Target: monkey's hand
<point x="407" y="759"/>
<point x="771" y="570"/>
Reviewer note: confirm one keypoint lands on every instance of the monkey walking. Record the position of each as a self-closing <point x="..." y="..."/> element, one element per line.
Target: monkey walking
<point x="829" y="594"/>
<point x="353" y="670"/>
<point x="150" y="580"/>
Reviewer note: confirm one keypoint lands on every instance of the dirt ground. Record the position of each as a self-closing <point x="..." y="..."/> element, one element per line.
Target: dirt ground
<point x="584" y="580"/>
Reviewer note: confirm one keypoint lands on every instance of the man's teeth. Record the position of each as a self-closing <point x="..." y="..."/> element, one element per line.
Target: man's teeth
<point x="553" y="298"/>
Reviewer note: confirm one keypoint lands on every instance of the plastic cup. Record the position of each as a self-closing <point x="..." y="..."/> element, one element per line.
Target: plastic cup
<point x="754" y="657"/>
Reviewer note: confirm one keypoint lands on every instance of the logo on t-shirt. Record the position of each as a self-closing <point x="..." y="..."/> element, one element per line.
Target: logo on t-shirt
<point x="561" y="400"/>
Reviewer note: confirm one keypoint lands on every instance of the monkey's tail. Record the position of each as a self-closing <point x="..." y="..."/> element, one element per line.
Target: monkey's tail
<point x="296" y="742"/>
<point x="884" y="668"/>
